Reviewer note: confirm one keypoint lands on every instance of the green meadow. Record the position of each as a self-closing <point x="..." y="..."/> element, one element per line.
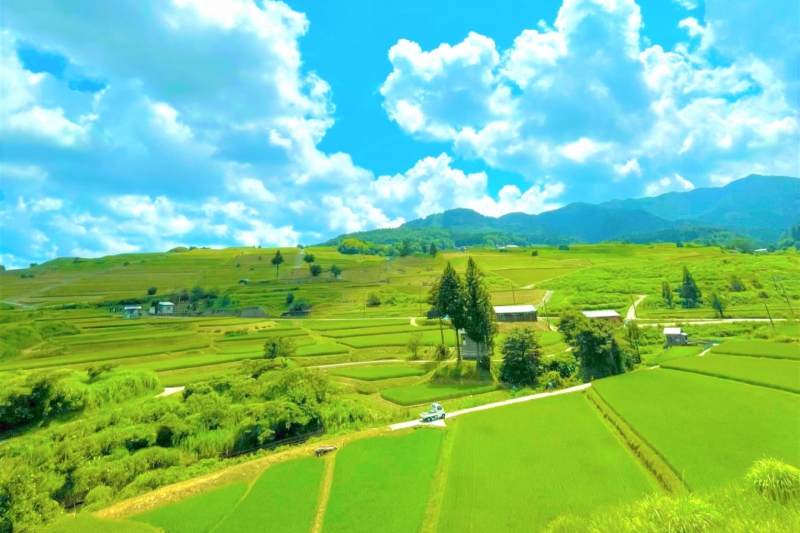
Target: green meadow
<point x="198" y="513"/>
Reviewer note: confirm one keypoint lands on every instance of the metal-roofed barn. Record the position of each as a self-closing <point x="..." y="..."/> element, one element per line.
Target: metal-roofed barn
<point x="515" y="313"/>
<point x="676" y="337"/>
<point x="166" y="308"/>
<point x="604" y="314"/>
<point x="132" y="311"/>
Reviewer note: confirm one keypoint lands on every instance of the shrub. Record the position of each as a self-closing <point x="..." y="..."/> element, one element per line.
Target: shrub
<point x="315" y="270"/>
<point x="152" y="290"/>
<point x="98" y="497"/>
<point x="413" y="344"/>
<point x="775" y="480"/>
<point x="373" y="300"/>
<point x="300" y="306"/>
<point x="535" y="253"/>
<point x="279" y="347"/>
<point x="289" y="298"/>
<point x="563" y="247"/>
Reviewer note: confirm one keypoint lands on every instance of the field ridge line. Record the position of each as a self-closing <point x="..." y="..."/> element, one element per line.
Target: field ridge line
<point x="433" y="508"/>
<point x="324" y="494"/>
<point x="752" y="383"/>
<point x="642" y="438"/>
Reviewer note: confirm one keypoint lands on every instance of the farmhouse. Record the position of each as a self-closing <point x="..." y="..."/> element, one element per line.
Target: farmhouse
<point x="675" y="337"/>
<point x="166" y="308"/>
<point x="515" y="313"/>
<point x="132" y="311"/>
<point x="604" y="314"/>
<point x="470" y="349"/>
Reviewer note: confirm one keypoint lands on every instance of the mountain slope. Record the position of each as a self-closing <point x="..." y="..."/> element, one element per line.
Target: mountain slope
<point x="761" y="207"/>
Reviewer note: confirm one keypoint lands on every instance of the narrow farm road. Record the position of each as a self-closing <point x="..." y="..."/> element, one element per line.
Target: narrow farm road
<point x="413" y="423"/>
<point x="632" y="309"/>
<point x="324" y="494"/>
<point x="546" y="297"/>
<point x="413" y="321"/>
<point x="299" y="260"/>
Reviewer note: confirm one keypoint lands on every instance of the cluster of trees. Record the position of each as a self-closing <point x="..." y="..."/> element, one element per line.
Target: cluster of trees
<point x="402" y="247"/>
<point x="467" y="303"/>
<point x="28" y="398"/>
<point x="600" y="348"/>
<point x="134" y="448"/>
<point x="524" y="366"/>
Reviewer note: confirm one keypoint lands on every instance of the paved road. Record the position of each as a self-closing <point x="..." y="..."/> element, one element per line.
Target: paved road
<point x="414" y="423"/>
<point x="169" y="391"/>
<point x="632" y="310"/>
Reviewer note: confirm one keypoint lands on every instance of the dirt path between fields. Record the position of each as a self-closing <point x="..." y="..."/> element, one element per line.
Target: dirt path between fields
<point x="324" y="493"/>
<point x="414" y="423"/>
<point x="632" y="309"/>
<point x="414" y="321"/>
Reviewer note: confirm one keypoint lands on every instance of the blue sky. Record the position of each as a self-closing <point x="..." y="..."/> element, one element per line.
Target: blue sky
<point x="138" y="125"/>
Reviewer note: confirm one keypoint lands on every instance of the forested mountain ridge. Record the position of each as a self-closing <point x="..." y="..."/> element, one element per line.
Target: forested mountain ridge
<point x="759" y="207"/>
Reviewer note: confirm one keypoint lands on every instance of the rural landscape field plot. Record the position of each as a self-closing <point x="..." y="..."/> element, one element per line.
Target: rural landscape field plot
<point x="429" y="392"/>
<point x="709" y="429"/>
<point x="779" y="373"/>
<point x="756" y="348"/>
<point x="380" y="372"/>
<point x="517" y="467"/>
<point x="86" y="523"/>
<point x="198" y="514"/>
<point x="668" y="354"/>
<point x="431" y="336"/>
<point x="383" y="483"/>
<point x="282" y="499"/>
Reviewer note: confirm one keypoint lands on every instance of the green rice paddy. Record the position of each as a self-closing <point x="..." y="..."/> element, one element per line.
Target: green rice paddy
<point x="196" y="514"/>
<point x="709" y="429"/>
<point x="383" y="483"/>
<point x="780" y="350"/>
<point x="376" y="373"/>
<point x="431" y="336"/>
<point x="431" y="392"/>
<point x="517" y="467"/>
<point x="282" y="499"/>
<point x="778" y="373"/>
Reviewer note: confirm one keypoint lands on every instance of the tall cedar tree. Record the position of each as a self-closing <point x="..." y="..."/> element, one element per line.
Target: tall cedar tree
<point x="690" y="293"/>
<point x="432" y="250"/>
<point x="405" y="248"/>
<point x="521" y="353"/>
<point x="570" y="321"/>
<point x="446" y="298"/>
<point x="666" y="293"/>
<point x="481" y="321"/>
<point x="277" y="260"/>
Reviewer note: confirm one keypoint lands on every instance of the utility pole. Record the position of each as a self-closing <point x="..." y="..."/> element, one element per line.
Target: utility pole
<point x="769" y="315"/>
<point x="419" y="299"/>
<point x="633" y="305"/>
<point x="365" y="303"/>
<point x="546" y="317"/>
<point x="512" y="295"/>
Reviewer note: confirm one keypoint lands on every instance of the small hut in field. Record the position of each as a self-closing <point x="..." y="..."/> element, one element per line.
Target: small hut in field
<point x="604" y="314"/>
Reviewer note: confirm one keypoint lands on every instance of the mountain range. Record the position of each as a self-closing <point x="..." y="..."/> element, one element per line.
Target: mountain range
<point x="761" y="208"/>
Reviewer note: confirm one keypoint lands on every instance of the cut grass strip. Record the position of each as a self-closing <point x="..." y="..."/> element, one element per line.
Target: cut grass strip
<point x="500" y="481"/>
<point x="383" y="483"/>
<point x="282" y="499"/>
<point x="198" y="514"/>
<point x="86" y="523"/>
<point x="431" y="392"/>
<point x="777" y="350"/>
<point x="711" y="430"/>
<point x="375" y="373"/>
<point x="781" y="374"/>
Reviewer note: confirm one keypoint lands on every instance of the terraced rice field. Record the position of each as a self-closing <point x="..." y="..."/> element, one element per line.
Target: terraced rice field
<point x="431" y="392"/>
<point x="198" y="513"/>
<point x="517" y="467"/>
<point x="383" y="483"/>
<point x="709" y="429"/>
<point x="779" y="350"/>
<point x="376" y="373"/>
<point x="86" y="523"/>
<point x="432" y="336"/>
<point x="669" y="354"/>
<point x="778" y="373"/>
